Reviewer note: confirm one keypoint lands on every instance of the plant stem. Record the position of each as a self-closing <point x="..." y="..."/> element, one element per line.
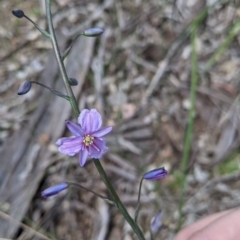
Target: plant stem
<point x="65" y="54"/>
<point x="118" y="202"/>
<point x="74" y="105"/>
<point x="46" y="34"/>
<point x="232" y="33"/>
<point x="52" y="90"/>
<point x="189" y="126"/>
<point x="72" y="100"/>
<point x="95" y="193"/>
<point x="138" y="203"/>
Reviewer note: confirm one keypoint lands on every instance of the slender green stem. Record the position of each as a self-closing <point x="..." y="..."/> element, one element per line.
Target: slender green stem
<point x="52" y="90"/>
<point x="89" y="190"/>
<point x="118" y="202"/>
<point x="72" y="100"/>
<point x="189" y="126"/>
<point x="138" y="203"/>
<point x="232" y="33"/>
<point x="65" y="54"/>
<point x="74" y="105"/>
<point x="188" y="133"/>
<point x="46" y="34"/>
<point x="151" y="235"/>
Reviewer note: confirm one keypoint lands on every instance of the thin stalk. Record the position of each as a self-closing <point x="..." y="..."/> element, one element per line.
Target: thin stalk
<point x="187" y="138"/>
<point x="138" y="203"/>
<point x="24" y="226"/>
<point x="63" y="72"/>
<point x="95" y="193"/>
<point x="46" y="34"/>
<point x="151" y="235"/>
<point x="74" y="105"/>
<point x="65" y="54"/>
<point x="232" y="33"/>
<point x="118" y="202"/>
<point x="52" y="90"/>
<point x="189" y="126"/>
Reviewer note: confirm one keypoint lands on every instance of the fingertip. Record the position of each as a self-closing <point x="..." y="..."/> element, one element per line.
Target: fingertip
<point x="193" y="230"/>
<point x="184" y="233"/>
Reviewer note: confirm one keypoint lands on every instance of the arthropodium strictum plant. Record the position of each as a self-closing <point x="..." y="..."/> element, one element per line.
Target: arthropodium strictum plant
<point x="87" y="139"/>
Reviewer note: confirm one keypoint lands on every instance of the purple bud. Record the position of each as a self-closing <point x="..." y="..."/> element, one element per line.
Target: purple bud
<point x="53" y="190"/>
<point x="93" y="32"/>
<point x="73" y="81"/>
<point x="18" y="13"/>
<point x="155" y="174"/>
<point x="24" y="87"/>
<point x="156" y="223"/>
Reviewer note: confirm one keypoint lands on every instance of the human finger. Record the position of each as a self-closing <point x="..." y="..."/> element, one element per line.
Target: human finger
<point x="225" y="227"/>
<point x="188" y="231"/>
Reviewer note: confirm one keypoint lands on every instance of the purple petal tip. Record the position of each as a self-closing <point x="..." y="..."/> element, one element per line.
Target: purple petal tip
<point x="156" y="223"/>
<point x="155" y="174"/>
<point x="53" y="190"/>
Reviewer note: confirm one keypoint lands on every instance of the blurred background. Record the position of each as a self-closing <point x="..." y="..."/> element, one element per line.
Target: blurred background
<point x="140" y="75"/>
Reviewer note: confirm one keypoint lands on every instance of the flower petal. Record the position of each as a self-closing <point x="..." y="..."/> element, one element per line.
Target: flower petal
<point x="100" y="143"/>
<point x="155" y="174"/>
<point x="83" y="157"/>
<point x="53" y="190"/>
<point x="156" y="223"/>
<point x="74" y="128"/>
<point x="60" y="141"/>
<point x="102" y="131"/>
<point x="90" y="120"/>
<point x="71" y="146"/>
<point x="97" y="149"/>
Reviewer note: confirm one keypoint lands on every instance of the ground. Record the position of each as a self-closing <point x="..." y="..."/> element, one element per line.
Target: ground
<point x="165" y="74"/>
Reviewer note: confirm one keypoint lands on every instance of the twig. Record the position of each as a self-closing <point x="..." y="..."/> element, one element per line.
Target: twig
<point x="163" y="66"/>
<point x="94" y="16"/>
<point x="147" y="65"/>
<point x="224" y="178"/>
<point x="117" y="171"/>
<point x="4" y="215"/>
<point x="18" y="48"/>
<point x="171" y="52"/>
<point x="98" y="70"/>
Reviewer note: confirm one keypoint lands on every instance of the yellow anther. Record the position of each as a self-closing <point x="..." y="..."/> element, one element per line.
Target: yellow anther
<point x="88" y="140"/>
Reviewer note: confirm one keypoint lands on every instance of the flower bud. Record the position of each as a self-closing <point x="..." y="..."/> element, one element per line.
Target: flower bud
<point x="53" y="190"/>
<point x="73" y="81"/>
<point x="93" y="32"/>
<point x="155" y="174"/>
<point x="24" y="87"/>
<point x="156" y="224"/>
<point x="18" y="13"/>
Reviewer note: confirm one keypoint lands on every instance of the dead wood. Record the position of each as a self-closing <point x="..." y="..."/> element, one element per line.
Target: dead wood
<point x="24" y="157"/>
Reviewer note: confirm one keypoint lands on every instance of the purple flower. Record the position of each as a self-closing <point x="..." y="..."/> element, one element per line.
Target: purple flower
<point x="156" y="223"/>
<point x="87" y="139"/>
<point x="53" y="190"/>
<point x="155" y="174"/>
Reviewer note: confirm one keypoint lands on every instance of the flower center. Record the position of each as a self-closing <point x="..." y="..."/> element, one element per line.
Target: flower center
<point x="88" y="140"/>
